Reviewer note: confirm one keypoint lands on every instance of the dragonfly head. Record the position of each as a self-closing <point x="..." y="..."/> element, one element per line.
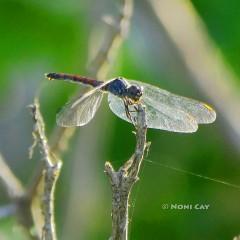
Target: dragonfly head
<point x="50" y="76"/>
<point x="134" y="92"/>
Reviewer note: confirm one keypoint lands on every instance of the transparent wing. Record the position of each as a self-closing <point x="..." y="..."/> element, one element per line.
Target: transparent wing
<point x="81" y="110"/>
<point x="154" y="96"/>
<point x="157" y="116"/>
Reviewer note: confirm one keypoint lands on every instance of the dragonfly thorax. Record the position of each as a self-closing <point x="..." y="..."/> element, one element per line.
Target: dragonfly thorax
<point x="121" y="88"/>
<point x="117" y="87"/>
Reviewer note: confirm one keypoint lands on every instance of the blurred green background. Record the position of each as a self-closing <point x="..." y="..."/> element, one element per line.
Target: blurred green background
<point x="56" y="36"/>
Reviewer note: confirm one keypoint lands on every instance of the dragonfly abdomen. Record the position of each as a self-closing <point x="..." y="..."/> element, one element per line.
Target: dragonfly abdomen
<point x="74" y="78"/>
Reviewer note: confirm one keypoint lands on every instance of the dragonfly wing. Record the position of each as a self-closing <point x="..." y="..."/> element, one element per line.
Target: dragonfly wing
<point x="80" y="111"/>
<point x="200" y="111"/>
<point x="164" y="117"/>
<point x="117" y="107"/>
<point x="159" y="117"/>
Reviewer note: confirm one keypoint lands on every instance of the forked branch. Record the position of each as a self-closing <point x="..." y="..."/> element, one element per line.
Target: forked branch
<point x="51" y="170"/>
<point x="123" y="180"/>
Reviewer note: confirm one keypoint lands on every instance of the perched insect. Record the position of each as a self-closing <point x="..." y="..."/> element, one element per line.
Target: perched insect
<point x="164" y="110"/>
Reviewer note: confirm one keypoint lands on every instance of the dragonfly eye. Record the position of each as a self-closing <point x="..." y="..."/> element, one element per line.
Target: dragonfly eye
<point x="135" y="92"/>
<point x="50" y="76"/>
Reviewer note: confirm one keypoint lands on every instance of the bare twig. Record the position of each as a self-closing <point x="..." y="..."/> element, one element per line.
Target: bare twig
<point x="51" y="172"/>
<point x="123" y="180"/>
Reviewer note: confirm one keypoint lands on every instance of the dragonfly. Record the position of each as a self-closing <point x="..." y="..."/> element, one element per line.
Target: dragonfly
<point x="164" y="110"/>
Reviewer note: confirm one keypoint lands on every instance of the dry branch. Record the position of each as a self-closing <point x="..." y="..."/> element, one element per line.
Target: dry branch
<point x="123" y="180"/>
<point x="52" y="167"/>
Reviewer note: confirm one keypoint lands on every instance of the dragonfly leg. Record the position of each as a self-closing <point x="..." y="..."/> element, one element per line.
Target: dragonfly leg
<point x="135" y="107"/>
<point x="128" y="112"/>
<point x="127" y="109"/>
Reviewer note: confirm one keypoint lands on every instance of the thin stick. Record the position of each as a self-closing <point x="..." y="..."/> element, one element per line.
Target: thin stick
<point x="123" y="180"/>
<point x="51" y="172"/>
